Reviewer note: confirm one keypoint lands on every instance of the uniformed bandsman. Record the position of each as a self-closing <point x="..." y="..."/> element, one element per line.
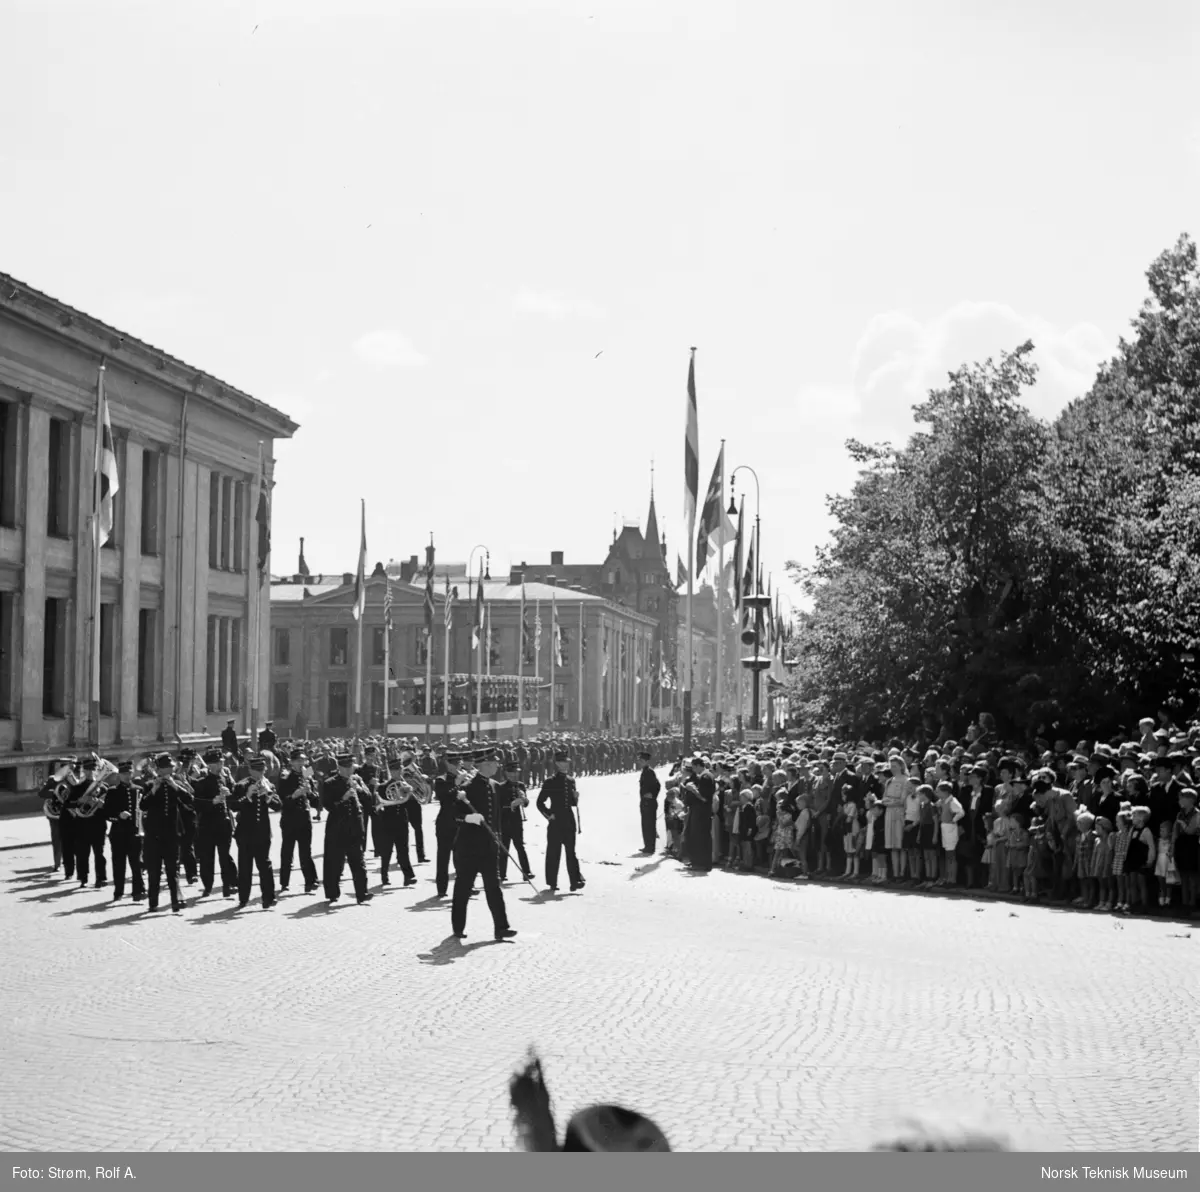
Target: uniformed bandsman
<point x="557" y="802"/>
<point x="55" y="794"/>
<point x="391" y="823"/>
<point x="162" y="826"/>
<point x="214" y="825"/>
<point x="477" y="818"/>
<point x="125" y="835"/>
<point x="445" y="791"/>
<point x="86" y="807"/>
<point x="344" y="831"/>
<point x="513" y="801"/>
<point x="298" y="793"/>
<point x="252" y="800"/>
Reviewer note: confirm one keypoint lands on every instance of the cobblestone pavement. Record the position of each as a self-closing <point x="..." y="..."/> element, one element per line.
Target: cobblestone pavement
<point x="740" y="1013"/>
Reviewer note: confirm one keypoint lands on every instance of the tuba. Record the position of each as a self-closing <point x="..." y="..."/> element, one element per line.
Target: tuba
<point x="92" y="799"/>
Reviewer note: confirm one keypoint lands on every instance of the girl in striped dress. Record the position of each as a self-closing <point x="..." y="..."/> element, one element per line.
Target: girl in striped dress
<point x="1102" y="863"/>
<point x="1121" y="839"/>
<point x="1083" y="860"/>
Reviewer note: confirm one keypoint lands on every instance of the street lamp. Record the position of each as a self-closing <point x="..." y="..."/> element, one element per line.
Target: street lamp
<point x="758" y="602"/>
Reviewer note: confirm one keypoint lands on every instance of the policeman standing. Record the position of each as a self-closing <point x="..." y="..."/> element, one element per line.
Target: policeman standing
<point x="513" y="801"/>
<point x="648" y="788"/>
<point x="125" y="835"/>
<point x="477" y="809"/>
<point x="445" y="791"/>
<point x="253" y="799"/>
<point x="557" y="802"/>
<point x="214" y="826"/>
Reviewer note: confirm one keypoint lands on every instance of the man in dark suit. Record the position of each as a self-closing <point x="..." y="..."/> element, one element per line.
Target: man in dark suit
<point x="229" y="737"/>
<point x="162" y="822"/>
<point x="267" y="739"/>
<point x="977" y="801"/>
<point x="445" y="792"/>
<point x="391" y="823"/>
<point x="297" y="794"/>
<point x="125" y="835"/>
<point x="253" y="798"/>
<point x="214" y="826"/>
<point x="648" y="789"/>
<point x="477" y="825"/>
<point x="513" y="801"/>
<point x="557" y="802"/>
<point x="344" y="833"/>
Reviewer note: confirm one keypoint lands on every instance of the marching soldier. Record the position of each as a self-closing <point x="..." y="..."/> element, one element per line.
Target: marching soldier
<point x="445" y="791"/>
<point x="214" y="825"/>
<point x="557" y="802"/>
<point x="187" y="840"/>
<point x="253" y="799"/>
<point x="413" y="808"/>
<point x="162" y="825"/>
<point x="513" y="801"/>
<point x="648" y="789"/>
<point x="297" y="794"/>
<point x="392" y="823"/>
<point x="477" y="817"/>
<point x="125" y="835"/>
<point x="341" y="796"/>
<point x="369" y="773"/>
<point x="55" y="794"/>
<point x="86" y="808"/>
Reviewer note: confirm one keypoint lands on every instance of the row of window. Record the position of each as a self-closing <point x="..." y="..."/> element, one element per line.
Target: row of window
<point x="227" y="499"/>
<point x="339" y="647"/>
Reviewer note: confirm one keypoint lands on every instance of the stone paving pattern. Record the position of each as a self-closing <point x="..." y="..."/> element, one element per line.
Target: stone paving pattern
<point x="740" y="1013"/>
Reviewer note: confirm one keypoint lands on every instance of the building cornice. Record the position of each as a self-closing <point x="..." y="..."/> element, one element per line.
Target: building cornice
<point x="23" y="303"/>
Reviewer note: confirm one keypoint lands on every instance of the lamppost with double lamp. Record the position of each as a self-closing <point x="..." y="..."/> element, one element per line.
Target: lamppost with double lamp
<point x="755" y="663"/>
<point x="478" y="665"/>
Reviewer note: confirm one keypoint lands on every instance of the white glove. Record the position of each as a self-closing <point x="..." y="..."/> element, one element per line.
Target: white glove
<point x="474" y="819"/>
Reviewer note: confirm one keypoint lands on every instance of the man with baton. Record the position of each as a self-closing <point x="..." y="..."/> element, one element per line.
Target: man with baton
<point x="477" y="812"/>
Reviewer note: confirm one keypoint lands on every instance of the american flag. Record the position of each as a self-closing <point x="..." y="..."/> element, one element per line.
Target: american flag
<point x="449" y="604"/>
<point x="387" y="604"/>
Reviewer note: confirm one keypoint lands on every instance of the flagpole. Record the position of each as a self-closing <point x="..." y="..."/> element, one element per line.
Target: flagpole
<point x="486" y="646"/>
<point x="362" y="616"/>
<point x="580" y="663"/>
<point x="94" y="693"/>
<point x="429" y="647"/>
<point x="693" y="446"/>
<point x="537" y="656"/>
<point x="521" y="667"/>
<point x="553" y="650"/>
<point x="448" y="621"/>
<point x="387" y="658"/>
<point x="720" y="602"/>
<point x="257" y="642"/>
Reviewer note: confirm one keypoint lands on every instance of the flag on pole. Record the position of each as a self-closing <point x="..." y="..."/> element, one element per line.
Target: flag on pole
<point x="360" y="578"/>
<point x="691" y="450"/>
<point x="711" y="514"/>
<point x="748" y="585"/>
<point x="477" y="629"/>
<point x="262" y="515"/>
<point x="106" y="464"/>
<point x="737" y="558"/>
<point x="681" y="574"/>
<point x="556" y="632"/>
<point x="537" y="629"/>
<point x="429" y="591"/>
<point x="387" y="604"/>
<point x="449" y="612"/>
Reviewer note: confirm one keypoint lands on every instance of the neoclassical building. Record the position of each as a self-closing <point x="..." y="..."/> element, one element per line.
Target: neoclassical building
<point x="179" y="581"/>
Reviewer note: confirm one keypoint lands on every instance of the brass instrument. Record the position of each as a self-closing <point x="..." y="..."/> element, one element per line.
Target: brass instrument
<point x="92" y="799"/>
<point x="422" y="791"/>
<point x="396" y="793"/>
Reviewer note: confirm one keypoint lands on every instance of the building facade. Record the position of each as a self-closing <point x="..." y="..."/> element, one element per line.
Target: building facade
<point x="601" y="679"/>
<point x="178" y="577"/>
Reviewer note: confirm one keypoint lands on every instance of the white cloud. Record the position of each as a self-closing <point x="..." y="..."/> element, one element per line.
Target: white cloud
<point x="898" y="359"/>
<point x="388" y="349"/>
<point x="553" y="305"/>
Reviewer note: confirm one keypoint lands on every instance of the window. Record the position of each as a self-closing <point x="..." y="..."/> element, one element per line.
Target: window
<point x="147" y="656"/>
<point x="54" y="656"/>
<point x="58" y="504"/>
<point x="235" y="664"/>
<point x="8" y="464"/>
<point x="226" y="511"/>
<point x="338" y="649"/>
<point x="283" y="647"/>
<point x="239" y="516"/>
<point x="214" y="521"/>
<point x="7" y="627"/>
<point x="338" y="706"/>
<point x="280" y="695"/>
<point x="378" y="646"/>
<point x="211" y="692"/>
<point x="222" y="664"/>
<point x="107" y="623"/>
<point x="151" y="467"/>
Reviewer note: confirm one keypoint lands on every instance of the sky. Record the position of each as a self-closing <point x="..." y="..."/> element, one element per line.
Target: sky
<point x="467" y="247"/>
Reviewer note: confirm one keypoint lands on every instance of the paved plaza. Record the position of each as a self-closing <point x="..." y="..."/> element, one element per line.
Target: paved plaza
<point x="740" y="1013"/>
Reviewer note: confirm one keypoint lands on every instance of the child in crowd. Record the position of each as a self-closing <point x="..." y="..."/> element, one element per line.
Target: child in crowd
<point x="927" y="834"/>
<point x="851" y="839"/>
<point x="912" y="828"/>
<point x="1018" y="850"/>
<point x="1139" y="859"/>
<point x="1040" y="867"/>
<point x="1121" y="839"/>
<point x="762" y="829"/>
<point x="781" y="841"/>
<point x="998" y="843"/>
<point x="1102" y="863"/>
<point x="745" y="821"/>
<point x="1083" y="860"/>
<point x="674" y="824"/>
<point x="1164" y="870"/>
<point x="875" y="843"/>
<point x="951" y="814"/>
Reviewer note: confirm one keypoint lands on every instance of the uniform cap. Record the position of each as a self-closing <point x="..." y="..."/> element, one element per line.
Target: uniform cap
<point x="164" y="761"/>
<point x="485" y="755"/>
<point x="395" y="764"/>
<point x="344" y="759"/>
<point x="124" y="767"/>
<point x="258" y="763"/>
<point x="297" y="755"/>
<point x="213" y="755"/>
<point x="89" y="763"/>
<point x="561" y="755"/>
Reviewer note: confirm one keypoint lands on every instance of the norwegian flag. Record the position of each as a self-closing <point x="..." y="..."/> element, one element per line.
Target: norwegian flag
<point x="477" y="629"/>
<point x="107" y="481"/>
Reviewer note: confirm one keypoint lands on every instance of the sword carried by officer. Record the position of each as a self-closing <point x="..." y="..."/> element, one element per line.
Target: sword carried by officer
<point x="499" y="843"/>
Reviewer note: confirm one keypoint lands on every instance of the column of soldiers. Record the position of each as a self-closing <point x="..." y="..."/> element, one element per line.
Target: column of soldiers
<point x="209" y="818"/>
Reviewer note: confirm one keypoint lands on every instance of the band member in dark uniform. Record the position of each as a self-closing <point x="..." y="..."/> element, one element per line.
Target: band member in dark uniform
<point x="253" y="799"/>
<point x="391" y="824"/>
<point x="513" y="801"/>
<point x="341" y="796"/>
<point x="298" y="794"/>
<point x="229" y="740"/>
<point x="125" y="835"/>
<point x="648" y="789"/>
<point x="557" y="802"/>
<point x="214" y="825"/>
<point x="55" y="793"/>
<point x="188" y="817"/>
<point x="445" y="791"/>
<point x="414" y="808"/>
<point x="371" y="776"/>
<point x="86" y="808"/>
<point x="161" y="824"/>
<point x="477" y="808"/>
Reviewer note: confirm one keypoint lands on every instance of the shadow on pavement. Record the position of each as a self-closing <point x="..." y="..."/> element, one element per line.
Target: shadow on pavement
<point x="649" y="867"/>
<point x="225" y="915"/>
<point x="544" y="896"/>
<point x="136" y="917"/>
<point x="452" y="949"/>
<point x="22" y="874"/>
<point x="71" y="889"/>
<point x="322" y="907"/>
<point x="92" y="908"/>
<point x="435" y="903"/>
